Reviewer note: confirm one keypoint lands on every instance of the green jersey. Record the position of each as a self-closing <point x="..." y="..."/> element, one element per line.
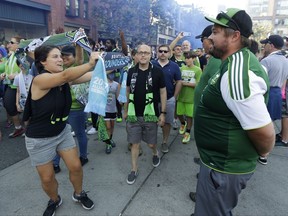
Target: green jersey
<point x="231" y="103"/>
<point x="211" y="68"/>
<point x="191" y="75"/>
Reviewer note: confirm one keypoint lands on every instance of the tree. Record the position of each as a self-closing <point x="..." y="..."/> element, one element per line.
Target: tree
<point x="261" y="30"/>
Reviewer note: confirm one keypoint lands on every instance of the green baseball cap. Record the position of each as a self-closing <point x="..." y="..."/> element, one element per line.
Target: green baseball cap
<point x="235" y="19"/>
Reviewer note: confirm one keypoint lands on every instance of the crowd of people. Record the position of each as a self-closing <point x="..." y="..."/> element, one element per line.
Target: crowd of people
<point x="230" y="91"/>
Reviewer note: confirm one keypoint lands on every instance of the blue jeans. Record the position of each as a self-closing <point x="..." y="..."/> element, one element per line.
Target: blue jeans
<point x="77" y="120"/>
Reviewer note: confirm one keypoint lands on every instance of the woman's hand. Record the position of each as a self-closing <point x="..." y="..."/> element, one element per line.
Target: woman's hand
<point x="94" y="56"/>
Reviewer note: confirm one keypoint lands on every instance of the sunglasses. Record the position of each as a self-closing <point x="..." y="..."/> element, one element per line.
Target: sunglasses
<point x="163" y="51"/>
<point x="225" y="16"/>
<point x="13" y="42"/>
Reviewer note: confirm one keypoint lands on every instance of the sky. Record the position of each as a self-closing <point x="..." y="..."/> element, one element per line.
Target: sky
<point x="210" y="7"/>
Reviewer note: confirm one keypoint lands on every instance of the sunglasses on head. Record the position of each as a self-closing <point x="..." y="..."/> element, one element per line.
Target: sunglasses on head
<point x="163" y="51"/>
<point x="225" y="16"/>
<point x="13" y="42"/>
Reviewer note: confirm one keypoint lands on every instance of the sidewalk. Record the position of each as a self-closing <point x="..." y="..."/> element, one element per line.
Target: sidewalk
<point x="160" y="191"/>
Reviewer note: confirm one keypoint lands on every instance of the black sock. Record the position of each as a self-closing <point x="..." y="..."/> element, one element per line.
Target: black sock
<point x="188" y="131"/>
<point x="183" y="123"/>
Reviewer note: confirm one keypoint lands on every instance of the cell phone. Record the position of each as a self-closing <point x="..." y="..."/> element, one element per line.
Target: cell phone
<point x="187" y="34"/>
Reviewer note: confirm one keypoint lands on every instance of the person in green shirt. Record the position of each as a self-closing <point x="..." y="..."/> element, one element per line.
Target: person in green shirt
<point x="11" y="70"/>
<point x="185" y="102"/>
<point x="231" y="123"/>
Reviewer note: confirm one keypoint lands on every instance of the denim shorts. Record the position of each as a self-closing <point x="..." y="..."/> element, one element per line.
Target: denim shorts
<point x="141" y="130"/>
<point x="43" y="150"/>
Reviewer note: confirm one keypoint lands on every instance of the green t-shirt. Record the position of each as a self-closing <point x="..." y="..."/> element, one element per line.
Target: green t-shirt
<point x="11" y="68"/>
<point x="192" y="75"/>
<point x="222" y="143"/>
<point x="2" y="65"/>
<point x="211" y="68"/>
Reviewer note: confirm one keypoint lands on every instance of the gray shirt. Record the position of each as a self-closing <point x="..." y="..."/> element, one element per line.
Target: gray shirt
<point x="277" y="68"/>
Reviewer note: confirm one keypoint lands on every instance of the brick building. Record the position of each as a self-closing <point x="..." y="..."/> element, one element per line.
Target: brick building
<point x="36" y="18"/>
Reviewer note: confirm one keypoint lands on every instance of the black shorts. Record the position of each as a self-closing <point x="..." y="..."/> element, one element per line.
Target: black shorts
<point x="110" y="116"/>
<point x="9" y="101"/>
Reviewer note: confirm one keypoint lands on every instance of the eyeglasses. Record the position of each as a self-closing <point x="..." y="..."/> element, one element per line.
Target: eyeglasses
<point x="163" y="51"/>
<point x="143" y="53"/>
<point x="13" y="42"/>
<point x="225" y="16"/>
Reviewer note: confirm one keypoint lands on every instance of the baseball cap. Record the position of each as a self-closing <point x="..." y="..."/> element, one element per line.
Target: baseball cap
<point x="235" y="19"/>
<point x="205" y="33"/>
<point x="68" y="50"/>
<point x="276" y="40"/>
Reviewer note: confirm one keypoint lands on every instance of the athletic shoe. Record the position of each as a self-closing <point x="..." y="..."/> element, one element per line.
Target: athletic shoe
<point x="52" y="206"/>
<point x="83" y="160"/>
<point x="175" y="124"/>
<point x="263" y="160"/>
<point x="108" y="149"/>
<point x="113" y="144"/>
<point x="164" y="148"/>
<point x="132" y="177"/>
<point x="92" y="131"/>
<point x="182" y="129"/>
<point x="192" y="196"/>
<point x="17" y="132"/>
<point x="156" y="160"/>
<point x="281" y="143"/>
<point x="119" y="120"/>
<point x="85" y="201"/>
<point x="56" y="168"/>
<point x="186" y="138"/>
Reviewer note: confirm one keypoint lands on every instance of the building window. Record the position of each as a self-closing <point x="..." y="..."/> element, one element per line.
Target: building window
<point x="77" y="8"/>
<point x="68" y="7"/>
<point x="85" y="10"/>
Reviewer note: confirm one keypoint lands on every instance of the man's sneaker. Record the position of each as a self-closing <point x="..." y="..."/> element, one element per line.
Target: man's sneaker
<point x="182" y="128"/>
<point x="119" y="120"/>
<point x="83" y="160"/>
<point x="56" y="168"/>
<point x="113" y="144"/>
<point x="164" y="148"/>
<point x="281" y="143"/>
<point x="192" y="196"/>
<point x="132" y="177"/>
<point x="156" y="160"/>
<point x="85" y="201"/>
<point x="52" y="206"/>
<point x="108" y="149"/>
<point x="175" y="124"/>
<point x="17" y="132"/>
<point x="197" y="160"/>
<point x="92" y="131"/>
<point x="186" y="138"/>
<point x="263" y="160"/>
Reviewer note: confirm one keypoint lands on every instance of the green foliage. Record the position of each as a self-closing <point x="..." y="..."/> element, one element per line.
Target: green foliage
<point x="261" y="30"/>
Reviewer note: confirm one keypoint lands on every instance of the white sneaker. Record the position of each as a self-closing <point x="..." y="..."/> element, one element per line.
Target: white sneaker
<point x="175" y="124"/>
<point x="92" y="131"/>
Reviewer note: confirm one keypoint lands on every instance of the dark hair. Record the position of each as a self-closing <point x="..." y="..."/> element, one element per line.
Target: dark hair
<point x="190" y="54"/>
<point x="92" y="43"/>
<point x="113" y="42"/>
<point x="254" y="46"/>
<point x="41" y="54"/>
<point x="176" y="47"/>
<point x="165" y="45"/>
